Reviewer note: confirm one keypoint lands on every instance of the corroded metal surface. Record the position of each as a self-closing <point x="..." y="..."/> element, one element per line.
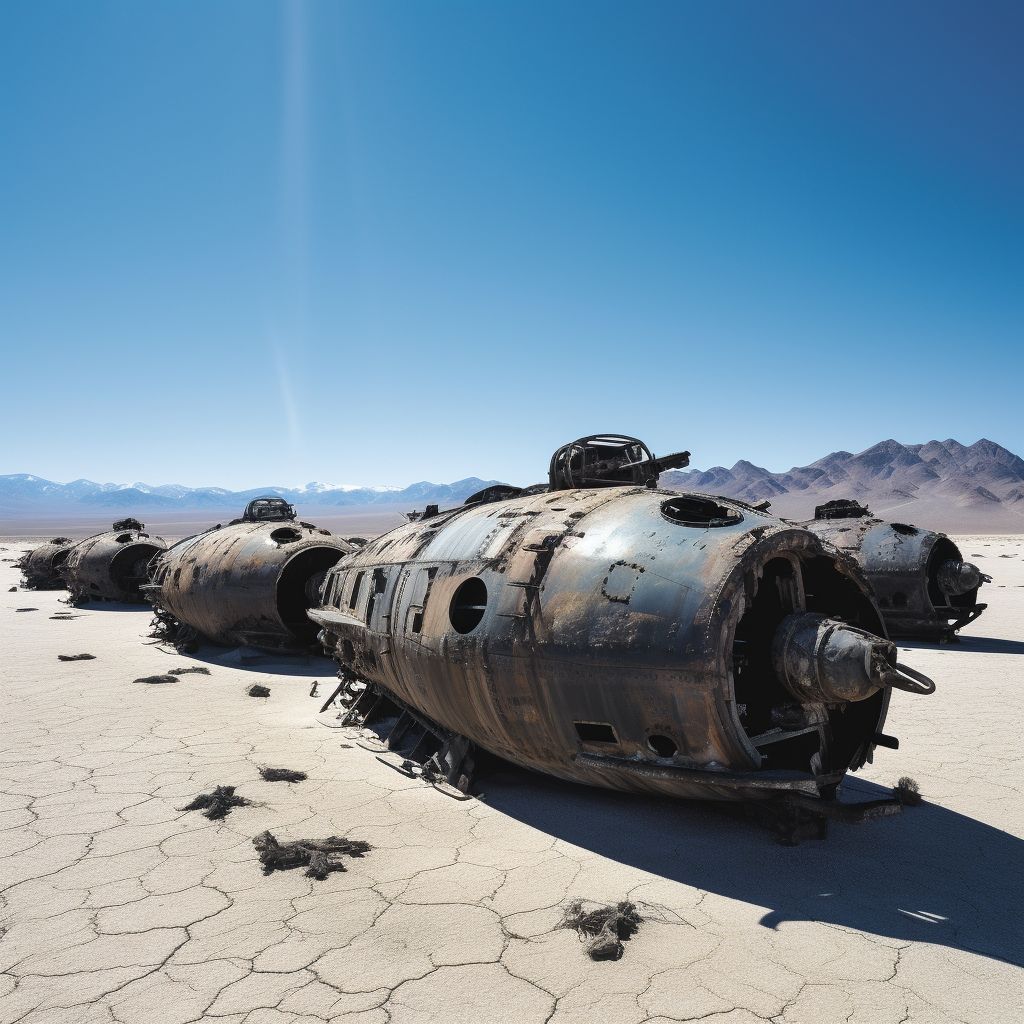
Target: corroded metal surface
<point x="41" y="566"/>
<point x="619" y="637"/>
<point x="111" y="566"/>
<point x="924" y="588"/>
<point x="245" y="583"/>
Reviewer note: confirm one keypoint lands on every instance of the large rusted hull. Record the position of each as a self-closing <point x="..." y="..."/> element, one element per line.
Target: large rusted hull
<point x="608" y="642"/>
<point x="110" y="566"/>
<point x="245" y="583"/>
<point x="40" y="568"/>
<point x="902" y="565"/>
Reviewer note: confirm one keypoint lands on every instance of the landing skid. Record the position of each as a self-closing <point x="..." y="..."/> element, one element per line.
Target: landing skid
<point x="406" y="740"/>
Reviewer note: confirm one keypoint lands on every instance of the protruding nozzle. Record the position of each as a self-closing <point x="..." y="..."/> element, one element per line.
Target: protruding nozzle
<point x="825" y="661"/>
<point x="955" y="578"/>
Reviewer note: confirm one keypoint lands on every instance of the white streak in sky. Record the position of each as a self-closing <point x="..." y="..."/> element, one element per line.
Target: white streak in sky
<point x="291" y="407"/>
<point x="289" y="346"/>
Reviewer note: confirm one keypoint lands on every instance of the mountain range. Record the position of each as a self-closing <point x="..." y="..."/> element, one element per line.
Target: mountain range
<point x="939" y="485"/>
<point x="22" y="494"/>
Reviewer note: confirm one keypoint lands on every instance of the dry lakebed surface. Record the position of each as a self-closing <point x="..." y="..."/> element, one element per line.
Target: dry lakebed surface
<point x="120" y="906"/>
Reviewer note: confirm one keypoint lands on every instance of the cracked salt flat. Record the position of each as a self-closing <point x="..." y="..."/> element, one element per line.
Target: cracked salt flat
<point x="119" y="908"/>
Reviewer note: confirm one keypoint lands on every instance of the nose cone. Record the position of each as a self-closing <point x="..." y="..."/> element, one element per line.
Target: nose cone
<point x="955" y="578"/>
<point x="822" y="660"/>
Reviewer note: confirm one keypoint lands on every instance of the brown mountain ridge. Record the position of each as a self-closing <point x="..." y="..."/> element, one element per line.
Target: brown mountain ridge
<point x="941" y="485"/>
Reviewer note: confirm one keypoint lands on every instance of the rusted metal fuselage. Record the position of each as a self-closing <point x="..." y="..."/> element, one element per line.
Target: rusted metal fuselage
<point x="624" y="637"/>
<point x="246" y="583"/>
<point x="41" y="566"/>
<point x="924" y="588"/>
<point x="111" y="566"/>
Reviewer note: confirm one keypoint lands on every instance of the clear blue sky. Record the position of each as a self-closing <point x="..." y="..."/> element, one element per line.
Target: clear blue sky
<point x="250" y="243"/>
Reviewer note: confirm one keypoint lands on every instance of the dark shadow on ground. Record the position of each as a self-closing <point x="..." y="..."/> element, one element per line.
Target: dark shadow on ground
<point x="928" y="875"/>
<point x="106" y="606"/>
<point x="250" y="660"/>
<point x="969" y="645"/>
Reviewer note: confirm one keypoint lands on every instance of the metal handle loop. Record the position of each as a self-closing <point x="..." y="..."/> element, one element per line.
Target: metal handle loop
<point x="906" y="678"/>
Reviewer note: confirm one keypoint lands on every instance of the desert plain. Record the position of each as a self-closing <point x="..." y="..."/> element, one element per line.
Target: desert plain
<point x="119" y="907"/>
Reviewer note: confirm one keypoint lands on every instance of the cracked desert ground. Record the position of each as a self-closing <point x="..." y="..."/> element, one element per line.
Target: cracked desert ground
<point x="120" y="907"/>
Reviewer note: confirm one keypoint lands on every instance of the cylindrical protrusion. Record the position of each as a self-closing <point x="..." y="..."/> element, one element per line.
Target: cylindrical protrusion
<point x="822" y="660"/>
<point x="955" y="578"/>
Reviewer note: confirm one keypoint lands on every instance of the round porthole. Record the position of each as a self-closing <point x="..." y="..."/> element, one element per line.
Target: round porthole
<point x="662" y="746"/>
<point x="691" y="510"/>
<point x="468" y="605"/>
<point x="285" y="535"/>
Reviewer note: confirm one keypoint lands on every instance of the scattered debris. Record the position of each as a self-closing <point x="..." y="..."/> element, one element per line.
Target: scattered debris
<point x="26" y="609"/>
<point x="256" y="690"/>
<point x="13" y="590"/>
<point x="314" y="692"/>
<point x="282" y="775"/>
<point x="156" y="679"/>
<point x="218" y="803"/>
<point x="76" y="657"/>
<point x="197" y="669"/>
<point x="64" y="616"/>
<point x="907" y="792"/>
<point x="604" y="928"/>
<point x="322" y="856"/>
<point x="166" y="629"/>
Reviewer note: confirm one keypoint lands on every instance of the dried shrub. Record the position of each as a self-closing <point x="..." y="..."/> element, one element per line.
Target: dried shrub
<point x="201" y="670"/>
<point x="604" y="928"/>
<point x="320" y="857"/>
<point x="76" y="657"/>
<point x="256" y="690"/>
<point x="156" y="679"/>
<point x="907" y="792"/>
<point x="282" y="775"/>
<point x="218" y="803"/>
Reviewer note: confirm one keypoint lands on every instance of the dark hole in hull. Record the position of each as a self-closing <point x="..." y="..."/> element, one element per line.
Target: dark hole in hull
<point x="292" y="600"/>
<point x="595" y="732"/>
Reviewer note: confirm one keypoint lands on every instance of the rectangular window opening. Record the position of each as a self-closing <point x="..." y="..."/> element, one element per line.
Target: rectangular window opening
<point x="354" y="596"/>
<point x="595" y="732"/>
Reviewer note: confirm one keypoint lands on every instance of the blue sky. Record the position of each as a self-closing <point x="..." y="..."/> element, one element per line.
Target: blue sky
<point x="250" y="243"/>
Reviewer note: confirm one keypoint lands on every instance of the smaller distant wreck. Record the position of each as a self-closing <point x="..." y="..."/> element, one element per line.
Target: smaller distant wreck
<point x="925" y="589"/>
<point x="248" y="583"/>
<point x="111" y="566"/>
<point x="40" y="568"/>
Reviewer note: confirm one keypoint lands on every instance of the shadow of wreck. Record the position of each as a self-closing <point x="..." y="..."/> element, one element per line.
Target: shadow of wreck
<point x="928" y="875"/>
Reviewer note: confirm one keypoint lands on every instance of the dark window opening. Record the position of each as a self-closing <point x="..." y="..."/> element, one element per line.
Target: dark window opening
<point x="177" y="576"/>
<point x="662" y="745"/>
<point x="354" y="596"/>
<point x="124" y="538"/>
<point x="899" y="599"/>
<point x="293" y="598"/>
<point x="59" y="558"/>
<point x="595" y="732"/>
<point x="378" y="586"/>
<point x="417" y="622"/>
<point x="285" y="535"/>
<point x="468" y="605"/>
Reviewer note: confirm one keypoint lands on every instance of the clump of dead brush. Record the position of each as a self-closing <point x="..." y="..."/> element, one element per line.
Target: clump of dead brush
<point x="217" y="804"/>
<point x="197" y="669"/>
<point x="282" y="775"/>
<point x="256" y="690"/>
<point x="156" y="679"/>
<point x="603" y="928"/>
<point x="321" y="856"/>
<point x="907" y="792"/>
<point x="76" y="657"/>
